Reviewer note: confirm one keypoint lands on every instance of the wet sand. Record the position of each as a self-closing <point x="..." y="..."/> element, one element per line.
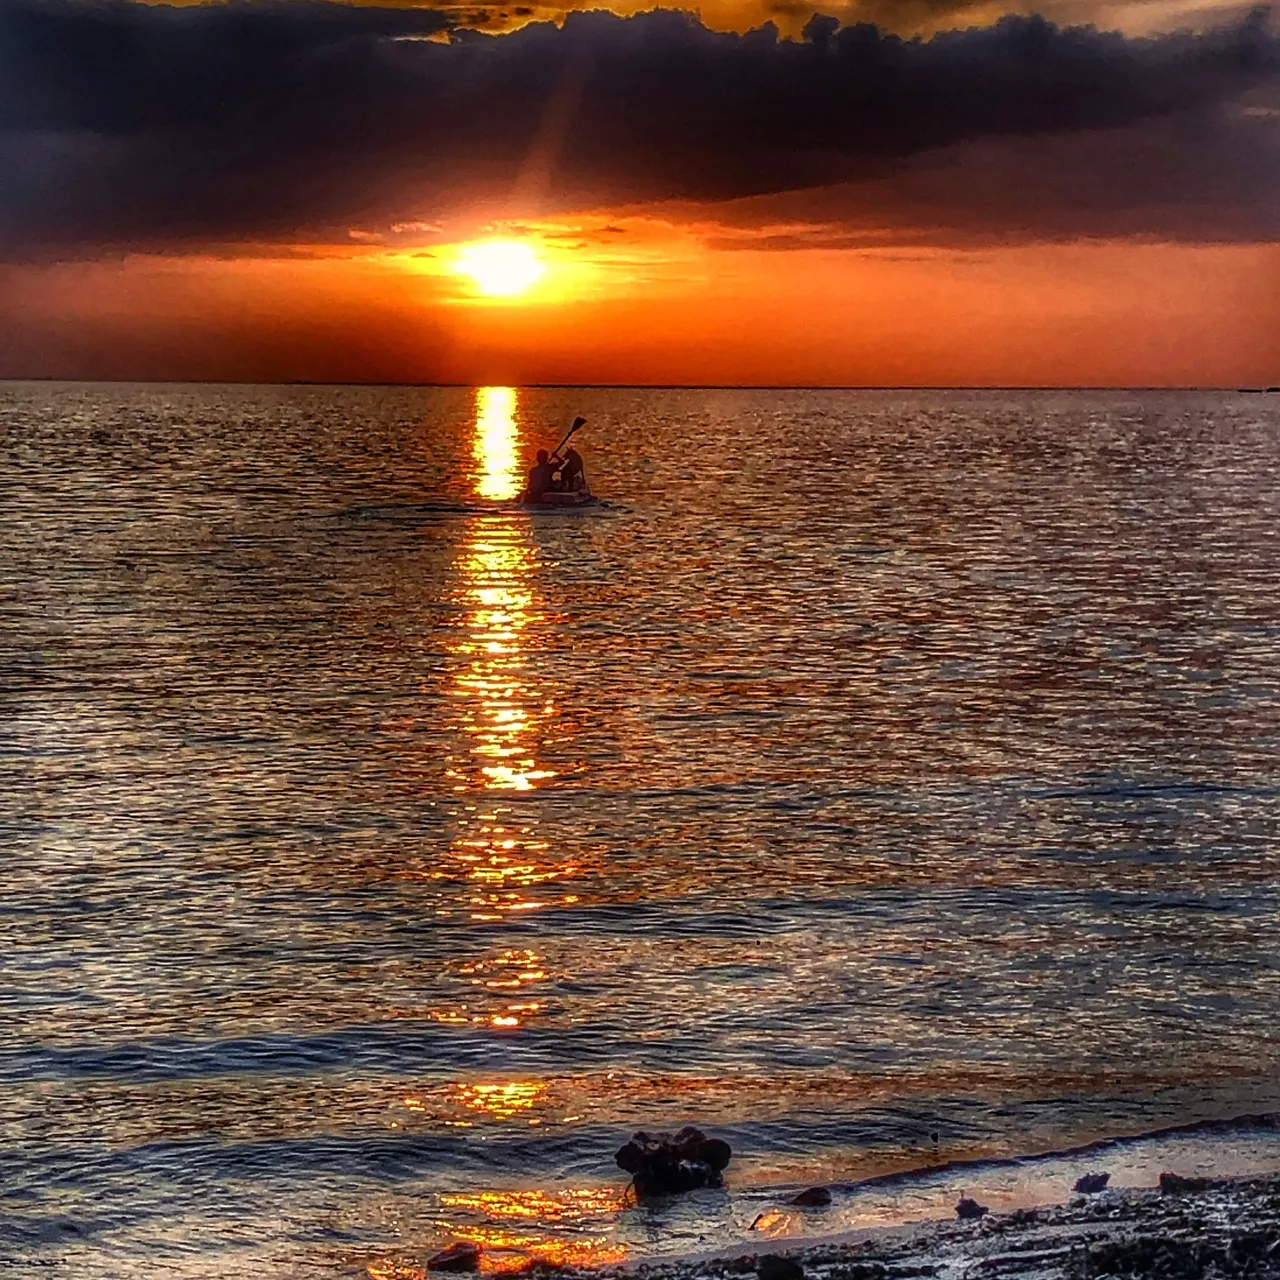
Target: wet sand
<point x="1220" y="1228"/>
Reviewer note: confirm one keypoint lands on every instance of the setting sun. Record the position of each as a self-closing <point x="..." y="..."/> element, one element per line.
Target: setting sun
<point x="500" y="268"/>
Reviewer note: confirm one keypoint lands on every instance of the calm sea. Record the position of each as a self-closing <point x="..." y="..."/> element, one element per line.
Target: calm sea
<point x="877" y="779"/>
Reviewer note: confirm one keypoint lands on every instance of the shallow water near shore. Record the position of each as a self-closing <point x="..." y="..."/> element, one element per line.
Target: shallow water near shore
<point x="868" y="766"/>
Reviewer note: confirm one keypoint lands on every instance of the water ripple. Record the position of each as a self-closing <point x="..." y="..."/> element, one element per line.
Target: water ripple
<point x="868" y="765"/>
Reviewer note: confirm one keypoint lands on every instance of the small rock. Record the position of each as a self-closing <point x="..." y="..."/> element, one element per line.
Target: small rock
<point x="1174" y="1185"/>
<point x="1092" y="1183"/>
<point x="777" y="1266"/>
<point x="812" y="1198"/>
<point x="968" y="1209"/>
<point x="537" y="1269"/>
<point x="463" y="1256"/>
<point x="717" y="1153"/>
<point x="693" y="1144"/>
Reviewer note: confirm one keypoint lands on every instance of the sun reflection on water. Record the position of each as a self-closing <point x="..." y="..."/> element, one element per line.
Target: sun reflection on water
<point x="499" y="711"/>
<point x="497" y="443"/>
<point x="502" y="718"/>
<point x="504" y="1224"/>
<point x="502" y="1101"/>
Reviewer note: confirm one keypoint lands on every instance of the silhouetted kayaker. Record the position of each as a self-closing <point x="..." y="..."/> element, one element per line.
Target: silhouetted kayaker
<point x="572" y="476"/>
<point x="541" y="476"/>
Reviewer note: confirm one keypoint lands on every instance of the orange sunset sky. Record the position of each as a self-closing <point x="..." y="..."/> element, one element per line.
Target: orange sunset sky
<point x="685" y="203"/>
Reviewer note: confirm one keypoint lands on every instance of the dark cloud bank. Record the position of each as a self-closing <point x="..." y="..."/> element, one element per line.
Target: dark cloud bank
<point x="123" y="124"/>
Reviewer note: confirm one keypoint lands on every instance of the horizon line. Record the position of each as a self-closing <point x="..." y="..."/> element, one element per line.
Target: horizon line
<point x="654" y="386"/>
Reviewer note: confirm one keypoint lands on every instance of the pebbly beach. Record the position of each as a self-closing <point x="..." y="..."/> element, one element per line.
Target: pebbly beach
<point x="1184" y="1229"/>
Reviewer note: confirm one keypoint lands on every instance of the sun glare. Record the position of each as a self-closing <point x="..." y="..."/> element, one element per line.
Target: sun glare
<point x="500" y="268"/>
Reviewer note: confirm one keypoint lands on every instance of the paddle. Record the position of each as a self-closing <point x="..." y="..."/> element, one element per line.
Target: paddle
<point x="577" y="422"/>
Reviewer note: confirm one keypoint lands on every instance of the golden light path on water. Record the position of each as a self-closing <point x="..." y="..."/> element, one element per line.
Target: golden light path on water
<point x="496" y="443"/>
<point x="497" y="708"/>
<point x="501" y="715"/>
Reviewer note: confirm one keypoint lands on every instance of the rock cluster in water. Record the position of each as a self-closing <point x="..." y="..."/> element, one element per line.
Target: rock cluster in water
<point x="665" y="1166"/>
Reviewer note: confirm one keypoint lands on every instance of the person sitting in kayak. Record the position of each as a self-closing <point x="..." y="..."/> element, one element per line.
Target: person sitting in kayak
<point x="572" y="476"/>
<point x="541" y="477"/>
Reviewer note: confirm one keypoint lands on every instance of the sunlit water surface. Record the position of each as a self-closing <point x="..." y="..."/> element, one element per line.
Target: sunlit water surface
<point x="377" y="856"/>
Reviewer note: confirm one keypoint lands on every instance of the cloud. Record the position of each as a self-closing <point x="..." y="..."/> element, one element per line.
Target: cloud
<point x="904" y="17"/>
<point x="1195" y="178"/>
<point x="133" y="125"/>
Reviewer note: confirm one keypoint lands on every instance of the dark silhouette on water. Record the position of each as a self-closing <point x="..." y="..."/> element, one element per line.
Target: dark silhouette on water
<point x="541" y="477"/>
<point x="573" y="476"/>
<point x="570" y="487"/>
<point x="665" y="1166"/>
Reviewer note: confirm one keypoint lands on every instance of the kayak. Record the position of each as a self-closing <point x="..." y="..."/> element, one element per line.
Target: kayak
<point x="577" y="498"/>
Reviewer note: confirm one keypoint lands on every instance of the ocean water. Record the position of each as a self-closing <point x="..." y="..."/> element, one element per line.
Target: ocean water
<point x="888" y="782"/>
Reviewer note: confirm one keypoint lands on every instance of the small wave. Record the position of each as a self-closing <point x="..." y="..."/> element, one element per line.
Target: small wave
<point x="397" y="513"/>
<point x="413" y="513"/>
<point x="1266" y="1121"/>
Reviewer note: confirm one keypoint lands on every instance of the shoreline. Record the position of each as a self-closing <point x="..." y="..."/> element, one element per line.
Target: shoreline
<point x="1200" y="1227"/>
